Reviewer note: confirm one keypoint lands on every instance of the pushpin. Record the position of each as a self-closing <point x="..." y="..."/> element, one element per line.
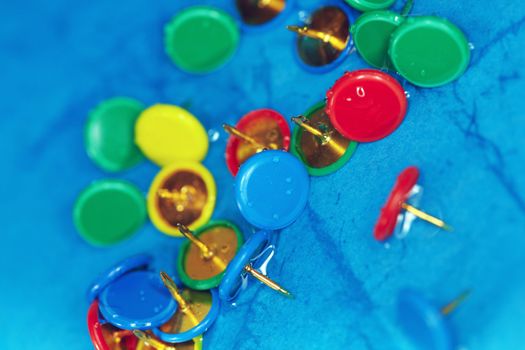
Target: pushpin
<point x="196" y="313"/>
<point x="271" y="189"/>
<point x="397" y="201"/>
<point x="429" y="51"/>
<point x="324" y="42"/>
<point x="168" y="134"/>
<point x="109" y="211"/>
<point x="201" y="39"/>
<point x="366" y="105"/>
<point x="109" y="134"/>
<point x="183" y="192"/>
<point x="105" y="336"/>
<point x="132" y="297"/>
<point x="258" y="130"/>
<point x="423" y="323"/>
<point x="315" y="141"/>
<point x="246" y="262"/>
<point x="370" y="5"/>
<point x="259" y="14"/>
<point x="203" y="258"/>
<point x="149" y="342"/>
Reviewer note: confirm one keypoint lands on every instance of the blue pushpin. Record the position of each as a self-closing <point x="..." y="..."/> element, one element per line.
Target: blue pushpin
<point x="271" y="189"/>
<point x="425" y="324"/>
<point x="132" y="297"/>
<point x="247" y="261"/>
<point x="197" y="311"/>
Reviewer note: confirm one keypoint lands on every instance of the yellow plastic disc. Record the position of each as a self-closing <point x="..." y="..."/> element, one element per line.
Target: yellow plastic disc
<point x="168" y="133"/>
<point x="183" y="192"/>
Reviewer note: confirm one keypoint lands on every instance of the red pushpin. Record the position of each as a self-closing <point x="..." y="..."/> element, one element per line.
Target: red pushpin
<point x="366" y="105"/>
<point x="397" y="201"/>
<point x="258" y="130"/>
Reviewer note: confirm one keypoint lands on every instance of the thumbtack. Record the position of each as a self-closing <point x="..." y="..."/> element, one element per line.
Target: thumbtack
<point x="183" y="192"/>
<point x="324" y="41"/>
<point x="245" y="263"/>
<point x="203" y="258"/>
<point x="425" y="324"/>
<point x="397" y="200"/>
<point x="315" y="141"/>
<point x="261" y="13"/>
<point x="147" y="339"/>
<point x="261" y="129"/>
<point x="197" y="311"/>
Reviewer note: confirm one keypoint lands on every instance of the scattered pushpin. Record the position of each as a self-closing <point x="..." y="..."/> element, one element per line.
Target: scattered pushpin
<point x="243" y="264"/>
<point x="323" y="42"/>
<point x="260" y="13"/>
<point x="425" y="324"/>
<point x="271" y="189"/>
<point x="203" y="258"/>
<point x="397" y="200"/>
<point x="366" y="105"/>
<point x="145" y="343"/>
<point x="256" y="131"/>
<point x="370" y="5"/>
<point x="321" y="148"/>
<point x="150" y="341"/>
<point x="183" y="192"/>
<point x="196" y="313"/>
<point x="131" y="297"/>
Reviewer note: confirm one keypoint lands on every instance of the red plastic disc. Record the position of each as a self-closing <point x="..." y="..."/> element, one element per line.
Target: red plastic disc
<point x="128" y="340"/>
<point x="366" y="105"/>
<point x="263" y="125"/>
<point x="388" y="218"/>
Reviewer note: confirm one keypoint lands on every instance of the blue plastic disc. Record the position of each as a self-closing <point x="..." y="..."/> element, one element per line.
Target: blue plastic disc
<point x="198" y="329"/>
<point x="137" y="300"/>
<point x="271" y="189"/>
<point x="232" y="279"/>
<point x="104" y="279"/>
<point x="422" y="322"/>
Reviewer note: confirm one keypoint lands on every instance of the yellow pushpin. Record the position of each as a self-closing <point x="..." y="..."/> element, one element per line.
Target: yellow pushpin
<point x="327" y="38"/>
<point x="259" y="12"/>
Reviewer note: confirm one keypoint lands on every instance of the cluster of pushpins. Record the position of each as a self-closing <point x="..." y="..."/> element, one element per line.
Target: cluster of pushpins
<point x="135" y="307"/>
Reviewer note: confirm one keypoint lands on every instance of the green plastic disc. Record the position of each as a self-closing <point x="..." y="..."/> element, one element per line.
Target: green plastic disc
<point x="429" y="51"/>
<point x="320" y="160"/>
<point x="370" y="5"/>
<point x="109" y="211"/>
<point x="371" y="33"/>
<point x="109" y="134"/>
<point x="201" y="39"/>
<point x="224" y="238"/>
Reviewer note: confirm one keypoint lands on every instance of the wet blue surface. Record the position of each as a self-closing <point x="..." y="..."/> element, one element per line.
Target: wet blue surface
<point x="59" y="59"/>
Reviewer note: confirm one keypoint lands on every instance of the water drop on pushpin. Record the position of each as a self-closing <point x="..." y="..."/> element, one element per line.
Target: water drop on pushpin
<point x="471" y="46"/>
<point x="275" y="159"/>
<point x="407" y="94"/>
<point x="275" y="216"/>
<point x="288" y="180"/>
<point x="288" y="192"/>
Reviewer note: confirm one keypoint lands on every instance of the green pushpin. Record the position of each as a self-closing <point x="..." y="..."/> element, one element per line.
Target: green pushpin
<point x="201" y="39"/>
<point x="370" y="5"/>
<point x="109" y="134"/>
<point x="429" y="51"/>
<point x="315" y="141"/>
<point x="109" y="211"/>
<point x="372" y="31"/>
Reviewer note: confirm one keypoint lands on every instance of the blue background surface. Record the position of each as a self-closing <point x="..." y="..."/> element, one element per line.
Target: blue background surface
<point x="59" y="59"/>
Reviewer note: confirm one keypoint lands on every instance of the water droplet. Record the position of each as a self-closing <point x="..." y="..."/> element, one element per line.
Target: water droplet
<point x="360" y="91"/>
<point x="407" y="94"/>
<point x="471" y="46"/>
<point x="276" y="159"/>
<point x="288" y="180"/>
<point x="288" y="192"/>
<point x="213" y="135"/>
<point x="250" y="204"/>
<point x="348" y="99"/>
<point x="423" y="72"/>
<point x="156" y="309"/>
<point x="275" y="216"/>
<point x="141" y="292"/>
<point x="387" y="245"/>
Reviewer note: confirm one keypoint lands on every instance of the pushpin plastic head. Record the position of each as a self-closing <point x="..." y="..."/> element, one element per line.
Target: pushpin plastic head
<point x="109" y="134"/>
<point x="246" y="261"/>
<point x="105" y="336"/>
<point x="422" y="322"/>
<point x="201" y="39"/>
<point x="370" y="5"/>
<point x="200" y="272"/>
<point x="109" y="211"/>
<point x="183" y="192"/>
<point x="271" y="189"/>
<point x="197" y="311"/>
<point x="194" y="344"/>
<point x="366" y="105"/>
<point x="133" y="298"/>
<point x="266" y="126"/>
<point x="168" y="133"/>
<point x="324" y="42"/>
<point x="322" y="149"/>
<point x="261" y="13"/>
<point x="429" y="51"/>
<point x="371" y="33"/>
